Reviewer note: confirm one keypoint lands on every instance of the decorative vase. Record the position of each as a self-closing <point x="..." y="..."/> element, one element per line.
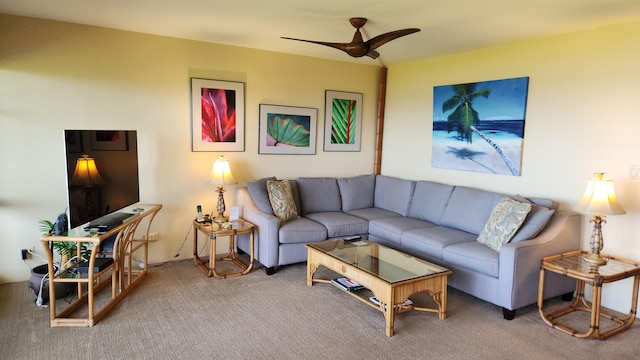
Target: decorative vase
<point x="35" y="282"/>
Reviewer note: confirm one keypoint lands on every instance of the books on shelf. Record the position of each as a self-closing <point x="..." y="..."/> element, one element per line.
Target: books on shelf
<point x="407" y="302"/>
<point x="347" y="284"/>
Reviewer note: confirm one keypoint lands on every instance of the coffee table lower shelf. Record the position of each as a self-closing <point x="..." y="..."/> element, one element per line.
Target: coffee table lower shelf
<point x="387" y="293"/>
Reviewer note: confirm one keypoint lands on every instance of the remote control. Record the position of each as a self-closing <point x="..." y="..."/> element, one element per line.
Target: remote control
<point x="354" y="237"/>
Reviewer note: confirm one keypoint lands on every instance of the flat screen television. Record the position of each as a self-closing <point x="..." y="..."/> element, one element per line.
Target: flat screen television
<point x="102" y="173"/>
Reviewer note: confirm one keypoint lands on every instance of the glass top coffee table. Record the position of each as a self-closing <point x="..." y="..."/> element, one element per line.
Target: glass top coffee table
<point x="390" y="274"/>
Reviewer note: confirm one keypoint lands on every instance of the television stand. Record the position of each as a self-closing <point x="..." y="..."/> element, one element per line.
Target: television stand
<point x="91" y="277"/>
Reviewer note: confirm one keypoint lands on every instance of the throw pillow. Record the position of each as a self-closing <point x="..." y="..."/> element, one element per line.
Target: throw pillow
<point x="281" y="197"/>
<point x="503" y="223"/>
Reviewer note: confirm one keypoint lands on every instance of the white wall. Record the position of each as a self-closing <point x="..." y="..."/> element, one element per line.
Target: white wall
<point x="581" y="118"/>
<point x="56" y="76"/>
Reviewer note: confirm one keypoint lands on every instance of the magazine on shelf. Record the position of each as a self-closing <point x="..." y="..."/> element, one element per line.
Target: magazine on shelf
<point x="347" y="284"/>
<point x="407" y="302"/>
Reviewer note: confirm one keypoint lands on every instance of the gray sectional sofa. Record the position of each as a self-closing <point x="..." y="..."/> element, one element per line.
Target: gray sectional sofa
<point x="437" y="222"/>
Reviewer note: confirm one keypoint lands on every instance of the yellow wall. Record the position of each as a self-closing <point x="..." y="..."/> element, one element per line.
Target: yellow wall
<point x="582" y="117"/>
<point x="56" y="76"/>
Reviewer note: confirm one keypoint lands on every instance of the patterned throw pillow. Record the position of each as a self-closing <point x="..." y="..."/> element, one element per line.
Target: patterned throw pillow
<point x="281" y="197"/>
<point x="503" y="223"/>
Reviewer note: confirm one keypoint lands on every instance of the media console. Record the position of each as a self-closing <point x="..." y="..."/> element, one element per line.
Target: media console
<point x="123" y="272"/>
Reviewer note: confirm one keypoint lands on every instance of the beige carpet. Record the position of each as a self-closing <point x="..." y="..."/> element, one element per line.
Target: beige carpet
<point x="178" y="313"/>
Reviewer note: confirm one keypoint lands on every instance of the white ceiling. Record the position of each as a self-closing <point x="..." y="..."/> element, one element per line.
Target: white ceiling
<point x="448" y="26"/>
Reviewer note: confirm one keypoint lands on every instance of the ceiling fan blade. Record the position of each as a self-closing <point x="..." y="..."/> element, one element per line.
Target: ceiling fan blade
<point x="382" y="39"/>
<point x="353" y="49"/>
<point x="359" y="48"/>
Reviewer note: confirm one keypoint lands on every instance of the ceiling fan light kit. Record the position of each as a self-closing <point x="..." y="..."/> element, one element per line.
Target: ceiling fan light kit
<point x="358" y="47"/>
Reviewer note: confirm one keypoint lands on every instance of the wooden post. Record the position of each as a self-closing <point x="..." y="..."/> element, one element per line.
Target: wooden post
<point x="382" y="94"/>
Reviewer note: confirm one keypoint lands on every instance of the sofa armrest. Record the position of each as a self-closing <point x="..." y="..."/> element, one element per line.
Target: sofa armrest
<point x="520" y="261"/>
<point x="266" y="230"/>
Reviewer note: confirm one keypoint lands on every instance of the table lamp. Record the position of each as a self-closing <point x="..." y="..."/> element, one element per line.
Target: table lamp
<point x="599" y="199"/>
<point x="86" y="174"/>
<point x="221" y="176"/>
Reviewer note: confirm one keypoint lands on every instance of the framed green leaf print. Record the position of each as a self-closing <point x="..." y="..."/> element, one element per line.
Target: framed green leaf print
<point x="343" y="121"/>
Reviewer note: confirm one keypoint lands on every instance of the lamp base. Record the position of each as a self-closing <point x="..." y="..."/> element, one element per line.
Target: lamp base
<point x="595" y="259"/>
<point x="220" y="219"/>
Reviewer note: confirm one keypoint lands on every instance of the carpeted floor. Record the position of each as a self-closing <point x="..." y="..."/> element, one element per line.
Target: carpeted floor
<point x="178" y="313"/>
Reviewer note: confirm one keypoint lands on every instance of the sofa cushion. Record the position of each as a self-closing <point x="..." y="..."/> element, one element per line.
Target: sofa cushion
<point x="469" y="209"/>
<point x="474" y="256"/>
<point x="429" y="201"/>
<point x="357" y="192"/>
<point x="319" y="195"/>
<point x="260" y="195"/>
<point x="340" y="224"/>
<point x="431" y="241"/>
<point x="392" y="227"/>
<point x="282" y="202"/>
<point x="393" y="194"/>
<point x="537" y="219"/>
<point x="296" y="194"/>
<point x="373" y="213"/>
<point x="301" y="230"/>
<point x="506" y="218"/>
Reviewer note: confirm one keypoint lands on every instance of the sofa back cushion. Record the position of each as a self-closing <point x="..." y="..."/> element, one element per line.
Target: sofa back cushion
<point x="537" y="219"/>
<point x="319" y="194"/>
<point x="259" y="194"/>
<point x="429" y="201"/>
<point x="469" y="209"/>
<point x="393" y="194"/>
<point x="357" y="192"/>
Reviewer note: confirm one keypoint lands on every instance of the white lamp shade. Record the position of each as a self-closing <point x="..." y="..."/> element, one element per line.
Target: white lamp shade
<point x="600" y="197"/>
<point x="221" y="173"/>
<point x="86" y="172"/>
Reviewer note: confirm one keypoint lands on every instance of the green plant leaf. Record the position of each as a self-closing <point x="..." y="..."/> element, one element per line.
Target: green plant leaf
<point x="285" y="130"/>
<point x="343" y="121"/>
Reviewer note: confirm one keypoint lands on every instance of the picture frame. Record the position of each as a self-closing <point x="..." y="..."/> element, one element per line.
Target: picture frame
<point x="287" y="130"/>
<point x="217" y="115"/>
<point x="343" y="121"/>
<point x="109" y="140"/>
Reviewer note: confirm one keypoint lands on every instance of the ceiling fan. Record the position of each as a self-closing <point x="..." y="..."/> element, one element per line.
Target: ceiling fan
<point x="357" y="47"/>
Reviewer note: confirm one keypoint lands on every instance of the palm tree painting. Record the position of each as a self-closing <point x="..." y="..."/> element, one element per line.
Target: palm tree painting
<point x="480" y="126"/>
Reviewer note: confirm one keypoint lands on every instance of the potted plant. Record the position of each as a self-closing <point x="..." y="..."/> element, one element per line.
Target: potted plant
<point x="39" y="275"/>
<point x="66" y="249"/>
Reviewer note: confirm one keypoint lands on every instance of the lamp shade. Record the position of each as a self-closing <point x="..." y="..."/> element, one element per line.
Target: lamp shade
<point x="86" y="172"/>
<point x="221" y="173"/>
<point x="599" y="197"/>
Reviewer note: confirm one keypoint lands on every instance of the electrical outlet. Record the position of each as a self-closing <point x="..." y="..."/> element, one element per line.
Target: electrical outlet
<point x="154" y="236"/>
<point x="634" y="172"/>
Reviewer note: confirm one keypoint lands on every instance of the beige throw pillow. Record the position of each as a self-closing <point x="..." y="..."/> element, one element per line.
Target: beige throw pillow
<point x="505" y="220"/>
<point x="281" y="198"/>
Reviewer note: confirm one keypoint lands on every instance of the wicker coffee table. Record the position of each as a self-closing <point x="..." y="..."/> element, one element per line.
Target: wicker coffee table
<point x="390" y="274"/>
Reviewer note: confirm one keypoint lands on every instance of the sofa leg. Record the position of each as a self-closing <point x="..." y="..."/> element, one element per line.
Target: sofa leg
<point x="508" y="314"/>
<point x="270" y="270"/>
<point x="567" y="297"/>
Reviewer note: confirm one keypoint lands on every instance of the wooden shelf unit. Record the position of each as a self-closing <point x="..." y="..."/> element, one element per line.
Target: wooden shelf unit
<point x="121" y="273"/>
